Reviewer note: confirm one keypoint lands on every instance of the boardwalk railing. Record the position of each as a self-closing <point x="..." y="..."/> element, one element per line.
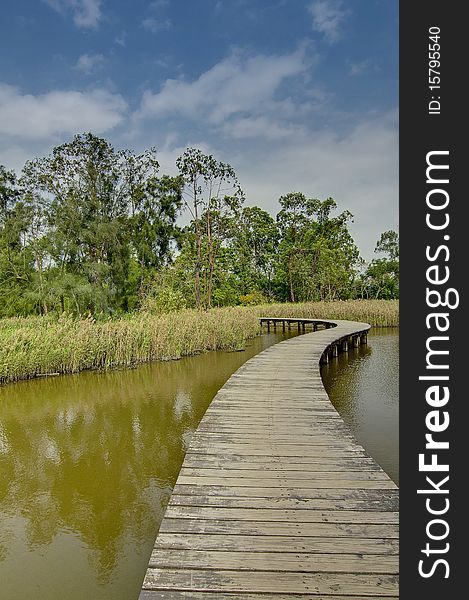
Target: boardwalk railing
<point x="276" y="499"/>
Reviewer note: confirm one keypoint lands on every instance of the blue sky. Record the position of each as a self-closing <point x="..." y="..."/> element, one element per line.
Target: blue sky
<point x="297" y="95"/>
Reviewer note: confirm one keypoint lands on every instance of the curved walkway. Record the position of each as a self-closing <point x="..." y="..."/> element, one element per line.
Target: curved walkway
<point x="276" y="499"/>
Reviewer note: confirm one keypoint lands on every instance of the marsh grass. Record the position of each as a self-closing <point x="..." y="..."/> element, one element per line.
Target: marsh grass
<point x="378" y="313"/>
<point x="37" y="346"/>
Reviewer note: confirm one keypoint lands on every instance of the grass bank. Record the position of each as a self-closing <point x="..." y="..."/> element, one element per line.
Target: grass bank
<point x="36" y="346"/>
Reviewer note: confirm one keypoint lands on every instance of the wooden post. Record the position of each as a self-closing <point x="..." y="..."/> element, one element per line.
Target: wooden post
<point x="363" y="339"/>
<point x="335" y="350"/>
<point x="289" y="325"/>
<point x="275" y="325"/>
<point x="268" y="326"/>
<point x="325" y="356"/>
<point x="355" y="341"/>
<point x="303" y="326"/>
<point x="315" y="326"/>
<point x="299" y="327"/>
<point x="345" y="346"/>
<point x="283" y="326"/>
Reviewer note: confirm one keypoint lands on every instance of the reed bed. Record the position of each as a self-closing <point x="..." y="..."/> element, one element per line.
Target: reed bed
<point x="38" y="346"/>
<point x="378" y="313"/>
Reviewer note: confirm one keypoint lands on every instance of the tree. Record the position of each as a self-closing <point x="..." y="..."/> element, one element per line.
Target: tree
<point x="381" y="278"/>
<point x="388" y="243"/>
<point x="317" y="255"/>
<point x="212" y="195"/>
<point x="109" y="220"/>
<point x="255" y="239"/>
<point x="16" y="260"/>
<point x="154" y="220"/>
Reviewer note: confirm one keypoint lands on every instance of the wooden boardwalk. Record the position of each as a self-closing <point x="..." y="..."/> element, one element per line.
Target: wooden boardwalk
<point x="276" y="499"/>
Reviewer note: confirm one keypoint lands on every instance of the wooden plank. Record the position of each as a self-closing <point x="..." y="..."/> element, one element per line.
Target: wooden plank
<point x="283" y="492"/>
<point x="195" y="595"/>
<point x="282" y="439"/>
<point x="260" y="581"/>
<point x="279" y="515"/>
<point x="272" y="543"/>
<point x="170" y="525"/>
<point x="301" y="462"/>
<point x="314" y="465"/>
<point x="316" y="483"/>
<point x="275" y="503"/>
<point x="308" y="473"/>
<point x="273" y="561"/>
<point x="284" y="451"/>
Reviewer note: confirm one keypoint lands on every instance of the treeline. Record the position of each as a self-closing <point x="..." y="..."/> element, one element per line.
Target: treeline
<point x="91" y="229"/>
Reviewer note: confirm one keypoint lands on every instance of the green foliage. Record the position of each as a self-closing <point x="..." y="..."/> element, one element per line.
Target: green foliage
<point x="255" y="238"/>
<point x="381" y="279"/>
<point x="99" y="222"/>
<point x="164" y="300"/>
<point x="388" y="244"/>
<point x="90" y="229"/>
<point x="379" y="313"/>
<point x="214" y="198"/>
<point x="317" y="255"/>
<point x="253" y="299"/>
<point x="16" y="256"/>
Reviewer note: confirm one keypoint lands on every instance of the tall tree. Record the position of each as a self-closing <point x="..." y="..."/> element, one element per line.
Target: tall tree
<point x="382" y="275"/>
<point x="212" y="195"/>
<point x="255" y="242"/>
<point x="317" y="254"/>
<point x="16" y="260"/>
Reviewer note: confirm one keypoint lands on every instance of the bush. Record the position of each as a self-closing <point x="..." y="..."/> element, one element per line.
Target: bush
<point x="253" y="299"/>
<point x="165" y="300"/>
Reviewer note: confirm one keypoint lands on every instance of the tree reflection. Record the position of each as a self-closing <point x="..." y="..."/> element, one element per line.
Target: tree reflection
<point x="95" y="456"/>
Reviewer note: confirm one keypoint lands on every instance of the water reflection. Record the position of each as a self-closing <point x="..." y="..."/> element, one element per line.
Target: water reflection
<point x="87" y="464"/>
<point x="364" y="387"/>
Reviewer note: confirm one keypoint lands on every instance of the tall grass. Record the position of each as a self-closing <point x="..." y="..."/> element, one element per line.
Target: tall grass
<point x="379" y="313"/>
<point x="35" y="346"/>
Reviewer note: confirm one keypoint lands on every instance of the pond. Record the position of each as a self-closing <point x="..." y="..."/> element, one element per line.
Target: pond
<point x="88" y="461"/>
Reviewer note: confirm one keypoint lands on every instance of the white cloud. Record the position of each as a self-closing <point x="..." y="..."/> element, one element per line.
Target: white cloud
<point x="246" y="110"/>
<point x="154" y="22"/>
<point x="360" y="67"/>
<point x="260" y="127"/>
<point x="358" y="169"/>
<point x="85" y="13"/>
<point x="233" y="86"/>
<point x="328" y="18"/>
<point x="155" y="25"/>
<point x="120" y="40"/>
<point x="89" y="63"/>
<point x="14" y="156"/>
<point x="58" y="112"/>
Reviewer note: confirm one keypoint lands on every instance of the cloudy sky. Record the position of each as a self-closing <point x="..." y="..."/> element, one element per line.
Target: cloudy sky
<point x="297" y="95"/>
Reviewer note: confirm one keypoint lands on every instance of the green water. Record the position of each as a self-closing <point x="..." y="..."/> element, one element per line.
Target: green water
<point x="87" y="462"/>
<point x="364" y="387"/>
